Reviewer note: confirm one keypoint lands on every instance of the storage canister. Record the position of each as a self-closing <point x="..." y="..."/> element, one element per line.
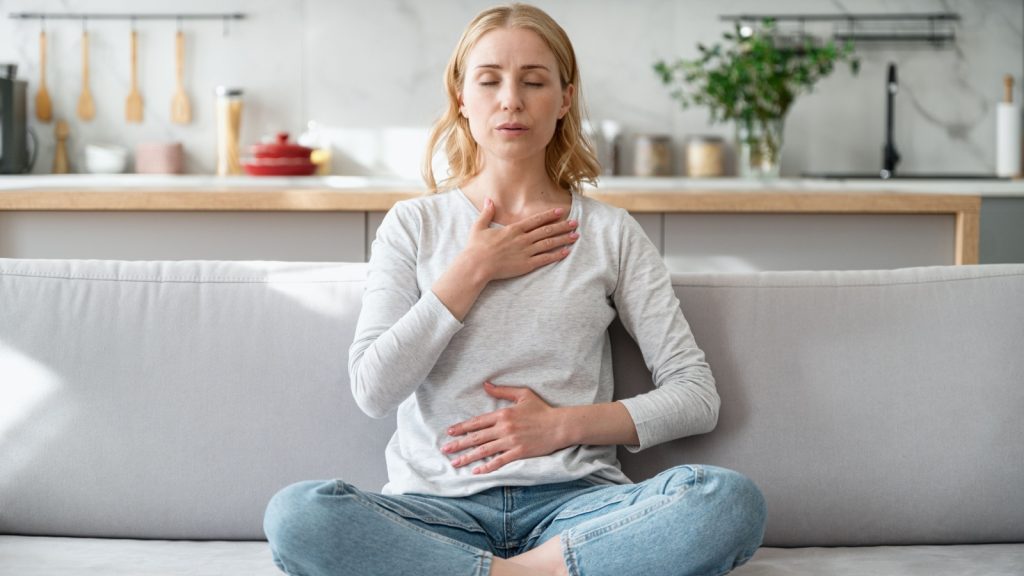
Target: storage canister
<point x="705" y="156"/>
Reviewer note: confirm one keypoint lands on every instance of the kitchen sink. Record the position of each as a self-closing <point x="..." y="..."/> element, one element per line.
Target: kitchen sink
<point x="900" y="176"/>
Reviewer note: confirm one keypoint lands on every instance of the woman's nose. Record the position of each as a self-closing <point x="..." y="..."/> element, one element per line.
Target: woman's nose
<point x="511" y="98"/>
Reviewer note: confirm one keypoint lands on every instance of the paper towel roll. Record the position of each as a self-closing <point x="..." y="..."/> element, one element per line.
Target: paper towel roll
<point x="1007" y="140"/>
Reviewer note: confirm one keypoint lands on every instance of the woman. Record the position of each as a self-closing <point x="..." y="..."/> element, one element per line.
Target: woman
<point x="484" y="324"/>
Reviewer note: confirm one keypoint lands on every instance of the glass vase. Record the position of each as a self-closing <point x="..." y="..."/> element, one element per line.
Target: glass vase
<point x="759" y="147"/>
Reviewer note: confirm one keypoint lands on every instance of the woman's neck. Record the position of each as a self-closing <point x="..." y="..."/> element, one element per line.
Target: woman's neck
<point x="517" y="191"/>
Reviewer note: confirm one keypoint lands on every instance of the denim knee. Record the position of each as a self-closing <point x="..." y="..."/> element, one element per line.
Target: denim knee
<point x="286" y="520"/>
<point x="743" y="502"/>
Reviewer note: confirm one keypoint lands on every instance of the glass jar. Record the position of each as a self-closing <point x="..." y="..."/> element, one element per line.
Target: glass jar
<point x="705" y="156"/>
<point x="229" y="123"/>
<point x="652" y="155"/>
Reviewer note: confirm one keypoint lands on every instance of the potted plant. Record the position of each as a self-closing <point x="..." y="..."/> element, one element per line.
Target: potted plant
<point x="753" y="81"/>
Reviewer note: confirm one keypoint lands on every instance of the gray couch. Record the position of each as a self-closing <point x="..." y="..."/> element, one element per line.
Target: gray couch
<point x="148" y="411"/>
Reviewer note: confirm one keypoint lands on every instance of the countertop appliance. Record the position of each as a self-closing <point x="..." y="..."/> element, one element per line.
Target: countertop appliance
<point x="14" y="131"/>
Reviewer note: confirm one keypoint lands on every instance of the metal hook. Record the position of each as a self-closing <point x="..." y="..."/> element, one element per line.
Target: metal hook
<point x="224" y="33"/>
<point x="179" y="22"/>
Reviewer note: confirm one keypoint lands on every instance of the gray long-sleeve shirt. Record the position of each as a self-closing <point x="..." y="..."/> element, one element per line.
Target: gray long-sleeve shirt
<point x="546" y="330"/>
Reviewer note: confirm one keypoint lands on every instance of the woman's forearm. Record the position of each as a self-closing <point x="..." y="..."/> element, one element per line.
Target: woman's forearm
<point x="603" y="424"/>
<point x="460" y="285"/>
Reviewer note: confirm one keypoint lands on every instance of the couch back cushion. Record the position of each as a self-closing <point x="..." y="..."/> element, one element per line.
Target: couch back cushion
<point x="872" y="407"/>
<point x="172" y="399"/>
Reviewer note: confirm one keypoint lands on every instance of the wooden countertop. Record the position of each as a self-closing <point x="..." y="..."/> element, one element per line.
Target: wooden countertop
<point x="201" y="193"/>
<point x="664" y="195"/>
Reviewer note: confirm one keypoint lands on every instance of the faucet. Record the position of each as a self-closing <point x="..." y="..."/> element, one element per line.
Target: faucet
<point x="890" y="157"/>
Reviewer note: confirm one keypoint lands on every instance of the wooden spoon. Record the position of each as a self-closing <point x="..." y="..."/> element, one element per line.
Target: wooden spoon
<point x="181" y="110"/>
<point x="86" y="108"/>
<point x="133" y="106"/>
<point x="44" y="109"/>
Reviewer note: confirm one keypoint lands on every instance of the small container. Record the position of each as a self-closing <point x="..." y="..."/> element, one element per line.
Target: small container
<point x="105" y="158"/>
<point x="229" y="124"/>
<point x="158" y="158"/>
<point x="652" y="155"/>
<point x="705" y="156"/>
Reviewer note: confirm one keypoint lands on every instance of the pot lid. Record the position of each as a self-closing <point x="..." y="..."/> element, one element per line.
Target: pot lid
<point x="281" y="149"/>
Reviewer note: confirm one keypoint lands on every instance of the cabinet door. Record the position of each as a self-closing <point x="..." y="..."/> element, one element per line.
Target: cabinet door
<point x="753" y="242"/>
<point x="288" y="236"/>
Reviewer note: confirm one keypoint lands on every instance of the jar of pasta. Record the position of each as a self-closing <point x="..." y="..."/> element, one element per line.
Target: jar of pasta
<point x="229" y="123"/>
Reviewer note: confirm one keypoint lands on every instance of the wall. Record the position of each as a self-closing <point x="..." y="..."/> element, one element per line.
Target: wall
<point x="356" y="67"/>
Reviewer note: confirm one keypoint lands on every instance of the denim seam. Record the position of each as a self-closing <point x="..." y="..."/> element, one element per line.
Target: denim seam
<point x="569" y="554"/>
<point x="403" y="521"/>
<point x="698" y="479"/>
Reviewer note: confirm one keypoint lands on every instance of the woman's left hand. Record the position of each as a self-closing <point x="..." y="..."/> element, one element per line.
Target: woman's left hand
<point x="529" y="428"/>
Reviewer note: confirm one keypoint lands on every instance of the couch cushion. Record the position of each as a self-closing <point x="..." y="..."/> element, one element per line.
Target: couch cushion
<point x="43" y="556"/>
<point x="872" y="407"/>
<point x="173" y="399"/>
<point x="963" y="560"/>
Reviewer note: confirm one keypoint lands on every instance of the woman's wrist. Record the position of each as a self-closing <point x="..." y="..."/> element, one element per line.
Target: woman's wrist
<point x="596" y="424"/>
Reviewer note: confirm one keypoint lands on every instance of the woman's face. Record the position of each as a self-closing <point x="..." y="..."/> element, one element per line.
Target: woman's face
<point x="512" y="95"/>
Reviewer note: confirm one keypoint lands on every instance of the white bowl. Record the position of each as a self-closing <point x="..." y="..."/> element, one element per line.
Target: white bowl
<point x="105" y="159"/>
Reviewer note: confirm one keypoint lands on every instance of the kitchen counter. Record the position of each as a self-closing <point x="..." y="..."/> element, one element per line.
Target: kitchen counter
<point x="334" y="193"/>
<point x="666" y="207"/>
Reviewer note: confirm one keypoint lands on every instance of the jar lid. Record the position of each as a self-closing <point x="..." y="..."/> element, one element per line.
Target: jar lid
<point x="228" y="91"/>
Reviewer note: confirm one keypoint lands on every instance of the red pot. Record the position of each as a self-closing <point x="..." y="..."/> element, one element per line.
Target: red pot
<point x="279" y="159"/>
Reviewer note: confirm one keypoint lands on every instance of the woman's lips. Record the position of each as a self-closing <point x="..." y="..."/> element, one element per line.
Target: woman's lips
<point x="512" y="129"/>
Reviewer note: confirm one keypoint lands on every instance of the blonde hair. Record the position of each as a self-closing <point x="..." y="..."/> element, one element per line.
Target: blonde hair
<point x="570" y="159"/>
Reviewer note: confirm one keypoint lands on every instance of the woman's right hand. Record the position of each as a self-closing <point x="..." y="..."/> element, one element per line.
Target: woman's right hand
<point x="522" y="247"/>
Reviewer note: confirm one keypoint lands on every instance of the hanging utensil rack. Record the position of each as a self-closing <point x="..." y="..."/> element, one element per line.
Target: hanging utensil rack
<point x="935" y="28"/>
<point x="133" y="16"/>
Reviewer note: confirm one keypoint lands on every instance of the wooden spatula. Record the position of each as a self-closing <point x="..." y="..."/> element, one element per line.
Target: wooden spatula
<point x="44" y="109"/>
<point x="86" y="108"/>
<point x="181" y="110"/>
<point x="133" y="106"/>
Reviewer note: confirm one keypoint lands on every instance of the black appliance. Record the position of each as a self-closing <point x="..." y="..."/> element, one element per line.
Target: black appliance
<point x="14" y="130"/>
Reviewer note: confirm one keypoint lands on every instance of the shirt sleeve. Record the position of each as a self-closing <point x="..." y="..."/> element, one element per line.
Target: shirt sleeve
<point x="400" y="333"/>
<point x="684" y="401"/>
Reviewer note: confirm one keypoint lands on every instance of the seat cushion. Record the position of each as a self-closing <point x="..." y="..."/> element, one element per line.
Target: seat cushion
<point x="45" y="556"/>
<point x="967" y="560"/>
<point x="39" y="556"/>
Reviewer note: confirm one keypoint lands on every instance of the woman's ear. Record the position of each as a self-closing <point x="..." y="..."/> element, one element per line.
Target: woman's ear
<point x="462" y="107"/>
<point x="566" y="100"/>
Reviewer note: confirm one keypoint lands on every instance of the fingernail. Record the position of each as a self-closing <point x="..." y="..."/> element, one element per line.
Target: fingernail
<point x="558" y="211"/>
<point x="451" y="431"/>
<point x="574" y="235"/>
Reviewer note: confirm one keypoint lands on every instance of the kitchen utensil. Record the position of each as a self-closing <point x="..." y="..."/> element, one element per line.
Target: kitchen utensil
<point x="279" y="158"/>
<point x="60" y="157"/>
<point x="86" y="107"/>
<point x="133" y="106"/>
<point x="1007" y="133"/>
<point x="181" y="109"/>
<point x="44" y="108"/>
<point x="158" y="158"/>
<point x="229" y="122"/>
<point x="105" y="159"/>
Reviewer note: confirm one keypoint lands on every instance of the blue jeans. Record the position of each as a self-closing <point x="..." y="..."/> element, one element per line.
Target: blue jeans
<point x="686" y="520"/>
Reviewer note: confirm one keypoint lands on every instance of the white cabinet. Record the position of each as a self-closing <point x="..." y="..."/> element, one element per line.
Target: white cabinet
<point x="152" y="235"/>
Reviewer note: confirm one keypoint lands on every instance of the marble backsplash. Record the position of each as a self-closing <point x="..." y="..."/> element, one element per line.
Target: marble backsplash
<point x="369" y="74"/>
